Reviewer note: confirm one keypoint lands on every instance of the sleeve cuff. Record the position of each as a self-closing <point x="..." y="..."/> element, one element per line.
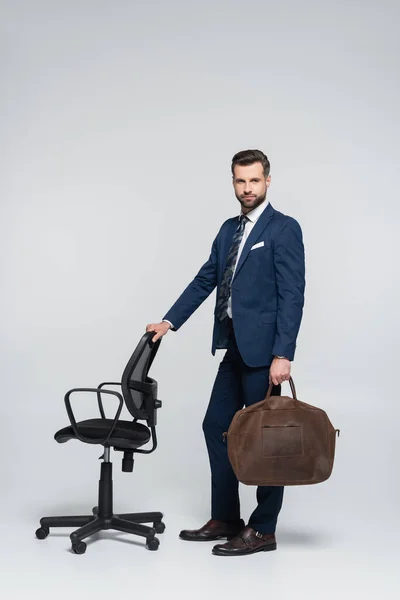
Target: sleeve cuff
<point x="166" y="321"/>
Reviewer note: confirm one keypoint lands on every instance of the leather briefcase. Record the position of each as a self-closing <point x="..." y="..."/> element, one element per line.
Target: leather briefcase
<point x="281" y="441"/>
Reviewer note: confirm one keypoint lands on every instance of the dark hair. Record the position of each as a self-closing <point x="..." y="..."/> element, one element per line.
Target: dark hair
<point x="249" y="157"/>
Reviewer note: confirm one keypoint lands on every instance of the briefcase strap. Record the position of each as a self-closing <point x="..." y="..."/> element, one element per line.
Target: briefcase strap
<point x="291" y="382"/>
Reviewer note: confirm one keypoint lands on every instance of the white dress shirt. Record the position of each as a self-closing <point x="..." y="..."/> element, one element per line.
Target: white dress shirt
<point x="253" y="217"/>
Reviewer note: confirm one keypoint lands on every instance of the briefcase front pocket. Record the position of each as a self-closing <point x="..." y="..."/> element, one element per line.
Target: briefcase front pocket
<point x="282" y="441"/>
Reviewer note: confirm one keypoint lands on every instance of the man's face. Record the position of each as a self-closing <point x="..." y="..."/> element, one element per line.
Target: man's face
<point x="250" y="185"/>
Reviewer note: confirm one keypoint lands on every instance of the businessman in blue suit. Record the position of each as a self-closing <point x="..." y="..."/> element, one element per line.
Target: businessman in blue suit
<point x="257" y="265"/>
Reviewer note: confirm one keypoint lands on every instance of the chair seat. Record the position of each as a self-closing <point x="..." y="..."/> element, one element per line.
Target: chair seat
<point x="127" y="434"/>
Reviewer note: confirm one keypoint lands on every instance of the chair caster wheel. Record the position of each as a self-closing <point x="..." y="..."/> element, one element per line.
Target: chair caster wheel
<point x="159" y="527"/>
<point x="153" y="544"/>
<point x="42" y="533"/>
<point x="79" y="547"/>
<point x="95" y="510"/>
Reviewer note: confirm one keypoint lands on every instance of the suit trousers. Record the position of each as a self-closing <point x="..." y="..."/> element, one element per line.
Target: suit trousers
<point x="236" y="385"/>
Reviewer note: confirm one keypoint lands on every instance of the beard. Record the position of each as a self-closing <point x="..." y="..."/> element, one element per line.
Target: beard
<point x="251" y="203"/>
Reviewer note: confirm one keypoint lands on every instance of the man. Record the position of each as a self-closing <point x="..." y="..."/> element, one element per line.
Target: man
<point x="257" y="265"/>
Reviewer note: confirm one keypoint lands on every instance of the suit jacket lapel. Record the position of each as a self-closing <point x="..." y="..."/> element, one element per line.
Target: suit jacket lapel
<point x="257" y="230"/>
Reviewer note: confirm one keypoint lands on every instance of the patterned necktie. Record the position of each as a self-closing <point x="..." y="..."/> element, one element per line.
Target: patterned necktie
<point x="225" y="289"/>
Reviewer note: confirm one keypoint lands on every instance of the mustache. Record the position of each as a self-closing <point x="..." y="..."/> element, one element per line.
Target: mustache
<point x="257" y="198"/>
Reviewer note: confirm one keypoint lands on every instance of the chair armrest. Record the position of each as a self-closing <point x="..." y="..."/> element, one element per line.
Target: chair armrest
<point x="99" y="402"/>
<point x="154" y="442"/>
<point x="72" y="419"/>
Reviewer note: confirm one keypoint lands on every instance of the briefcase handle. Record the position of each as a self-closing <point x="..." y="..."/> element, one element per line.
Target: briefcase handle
<point x="291" y="382"/>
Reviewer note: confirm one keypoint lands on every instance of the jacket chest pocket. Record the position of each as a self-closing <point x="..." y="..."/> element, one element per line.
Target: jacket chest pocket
<point x="261" y="250"/>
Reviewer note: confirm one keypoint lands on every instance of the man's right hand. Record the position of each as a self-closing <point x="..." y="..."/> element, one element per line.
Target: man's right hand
<point x="160" y="329"/>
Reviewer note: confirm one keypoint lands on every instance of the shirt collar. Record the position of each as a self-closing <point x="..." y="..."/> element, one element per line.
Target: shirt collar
<point x="254" y="214"/>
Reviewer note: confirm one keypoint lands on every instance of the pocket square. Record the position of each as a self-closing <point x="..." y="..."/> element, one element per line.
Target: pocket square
<point x="259" y="245"/>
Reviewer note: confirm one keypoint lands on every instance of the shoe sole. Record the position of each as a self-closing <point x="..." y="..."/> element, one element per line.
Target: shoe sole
<point x="268" y="548"/>
<point x="211" y="539"/>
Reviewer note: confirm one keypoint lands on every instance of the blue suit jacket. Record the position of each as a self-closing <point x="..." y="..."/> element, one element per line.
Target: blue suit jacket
<point x="267" y="288"/>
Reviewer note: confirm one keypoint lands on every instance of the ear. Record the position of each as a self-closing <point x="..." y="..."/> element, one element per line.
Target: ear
<point x="268" y="181"/>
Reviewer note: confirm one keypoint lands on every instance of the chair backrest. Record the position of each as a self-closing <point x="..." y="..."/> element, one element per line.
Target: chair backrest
<point x="139" y="390"/>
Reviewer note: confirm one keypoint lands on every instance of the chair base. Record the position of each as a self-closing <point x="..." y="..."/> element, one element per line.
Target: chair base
<point x="104" y="518"/>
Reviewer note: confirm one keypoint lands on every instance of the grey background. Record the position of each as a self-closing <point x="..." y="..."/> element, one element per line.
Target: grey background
<point x="118" y="121"/>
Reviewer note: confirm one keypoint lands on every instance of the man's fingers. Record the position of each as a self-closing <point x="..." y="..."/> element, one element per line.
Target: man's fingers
<point x="278" y="378"/>
<point x="159" y="329"/>
<point x="160" y="333"/>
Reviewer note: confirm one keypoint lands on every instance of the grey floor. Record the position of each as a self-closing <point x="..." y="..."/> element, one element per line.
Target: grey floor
<point x="309" y="564"/>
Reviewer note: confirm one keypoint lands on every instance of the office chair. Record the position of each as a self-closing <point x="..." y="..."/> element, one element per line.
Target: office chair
<point x="140" y="395"/>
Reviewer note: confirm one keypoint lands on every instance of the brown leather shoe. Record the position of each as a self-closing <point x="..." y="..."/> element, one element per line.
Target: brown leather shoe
<point x="213" y="530"/>
<point x="247" y="542"/>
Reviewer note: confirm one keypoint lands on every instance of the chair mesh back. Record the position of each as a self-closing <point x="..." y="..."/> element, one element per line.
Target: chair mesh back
<point x="137" y="371"/>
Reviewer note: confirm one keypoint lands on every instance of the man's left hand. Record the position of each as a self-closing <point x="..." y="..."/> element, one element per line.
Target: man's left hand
<point x="279" y="370"/>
